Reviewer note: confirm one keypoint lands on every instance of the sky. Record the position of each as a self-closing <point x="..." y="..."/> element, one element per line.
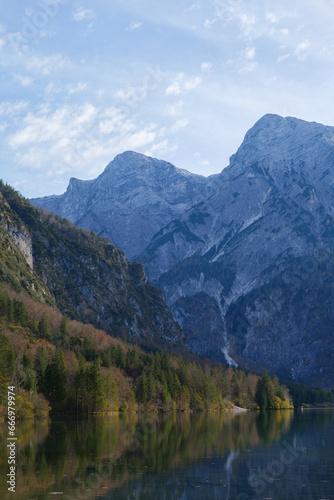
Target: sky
<point x="180" y="80"/>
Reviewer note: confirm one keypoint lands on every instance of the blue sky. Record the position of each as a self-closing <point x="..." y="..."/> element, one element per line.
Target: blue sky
<point x="183" y="81"/>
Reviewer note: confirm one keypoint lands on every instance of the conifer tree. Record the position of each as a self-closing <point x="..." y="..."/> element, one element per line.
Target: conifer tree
<point x="55" y="379"/>
<point x="7" y="358"/>
<point x="44" y="327"/>
<point x="40" y="364"/>
<point x="265" y="396"/>
<point x="143" y="389"/>
<point x="96" y="386"/>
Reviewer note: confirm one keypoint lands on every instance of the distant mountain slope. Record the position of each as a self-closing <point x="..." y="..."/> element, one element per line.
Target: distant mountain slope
<point x="130" y="201"/>
<point x="247" y="265"/>
<point x="86" y="276"/>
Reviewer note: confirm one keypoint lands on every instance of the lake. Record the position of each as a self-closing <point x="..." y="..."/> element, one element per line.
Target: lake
<point x="269" y="455"/>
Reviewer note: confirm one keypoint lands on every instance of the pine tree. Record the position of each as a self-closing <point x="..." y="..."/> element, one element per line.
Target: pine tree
<point x="10" y="310"/>
<point x="95" y="386"/>
<point x="20" y="312"/>
<point x="142" y="393"/>
<point x="151" y="387"/>
<point x="55" y="379"/>
<point x="80" y="384"/>
<point x="44" y="327"/>
<point x="120" y="357"/>
<point x="111" y="392"/>
<point x="40" y="364"/>
<point x="235" y="387"/>
<point x="63" y="330"/>
<point x="265" y="395"/>
<point x="7" y="358"/>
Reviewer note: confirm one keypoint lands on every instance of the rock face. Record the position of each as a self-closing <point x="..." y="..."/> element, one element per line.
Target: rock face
<point x="17" y="232"/>
<point x="245" y="258"/>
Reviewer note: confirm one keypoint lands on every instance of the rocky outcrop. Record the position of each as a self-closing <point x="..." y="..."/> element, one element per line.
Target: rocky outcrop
<point x="23" y="242"/>
<point x="17" y="232"/>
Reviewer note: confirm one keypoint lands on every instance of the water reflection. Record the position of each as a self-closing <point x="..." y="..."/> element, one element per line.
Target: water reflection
<point x="274" y="455"/>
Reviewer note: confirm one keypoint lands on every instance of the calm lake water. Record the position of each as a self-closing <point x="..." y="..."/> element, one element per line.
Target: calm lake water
<point x="273" y="455"/>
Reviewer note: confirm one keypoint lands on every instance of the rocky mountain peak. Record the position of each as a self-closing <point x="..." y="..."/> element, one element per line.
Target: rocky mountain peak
<point x="144" y="167"/>
<point x="285" y="145"/>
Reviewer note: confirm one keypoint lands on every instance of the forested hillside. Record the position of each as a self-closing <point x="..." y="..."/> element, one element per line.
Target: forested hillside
<point x="60" y="364"/>
<point x="83" y="274"/>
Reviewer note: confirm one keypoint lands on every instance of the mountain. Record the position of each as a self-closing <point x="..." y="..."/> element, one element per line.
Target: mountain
<point x="130" y="201"/>
<point x="81" y="273"/>
<point x="244" y="258"/>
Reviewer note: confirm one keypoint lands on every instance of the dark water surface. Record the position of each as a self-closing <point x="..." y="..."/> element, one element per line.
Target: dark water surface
<point x="273" y="455"/>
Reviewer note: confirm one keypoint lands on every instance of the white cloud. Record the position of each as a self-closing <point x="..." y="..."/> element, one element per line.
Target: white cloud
<point x="226" y="10"/>
<point x="116" y="123"/>
<point x="250" y="53"/>
<point x="81" y="14"/>
<point x="45" y="125"/>
<point x="25" y="81"/>
<point x="248" y="67"/>
<point x="2" y="43"/>
<point x="52" y="89"/>
<point x="46" y="65"/>
<point x="192" y="83"/>
<point x="75" y="88"/>
<point x="130" y="94"/>
<point x="206" y="66"/>
<point x="134" y="26"/>
<point x="45" y="33"/>
<point x="161" y="148"/>
<point x="71" y="136"/>
<point x="301" y="50"/>
<point x="283" y="58"/>
<point x="182" y="85"/>
<point x="10" y="109"/>
<point x="208" y="24"/>
<point x="194" y="6"/>
<point x="248" y="24"/>
<point x="272" y="18"/>
<point x="174" y="109"/>
<point x="179" y="125"/>
<point x="138" y="140"/>
<point x="173" y="89"/>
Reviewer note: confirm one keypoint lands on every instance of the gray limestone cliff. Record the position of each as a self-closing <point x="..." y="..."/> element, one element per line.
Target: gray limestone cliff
<point x="18" y="233"/>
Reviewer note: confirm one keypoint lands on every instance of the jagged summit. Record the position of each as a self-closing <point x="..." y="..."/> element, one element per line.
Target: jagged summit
<point x="130" y="161"/>
<point x="285" y="144"/>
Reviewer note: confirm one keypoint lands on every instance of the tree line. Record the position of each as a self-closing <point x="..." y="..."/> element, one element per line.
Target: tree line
<point x="64" y="365"/>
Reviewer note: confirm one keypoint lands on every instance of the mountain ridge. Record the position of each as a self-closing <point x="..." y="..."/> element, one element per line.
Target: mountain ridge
<point x="126" y="187"/>
<point x="265" y="214"/>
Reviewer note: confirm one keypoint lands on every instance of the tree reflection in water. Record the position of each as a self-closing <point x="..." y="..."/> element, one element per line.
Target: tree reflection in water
<point x="175" y="456"/>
